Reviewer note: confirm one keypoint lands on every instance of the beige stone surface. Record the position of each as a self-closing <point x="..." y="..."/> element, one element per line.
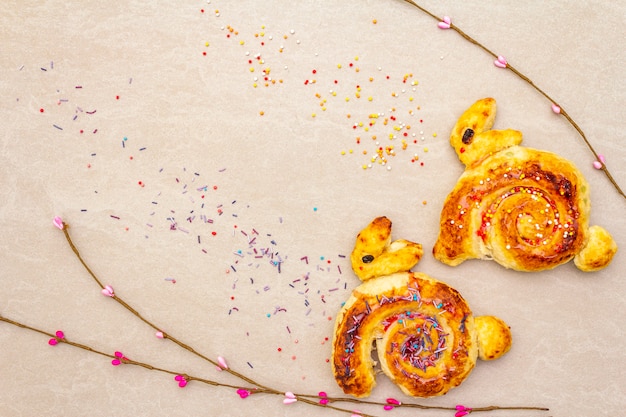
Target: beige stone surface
<point x="148" y="127"/>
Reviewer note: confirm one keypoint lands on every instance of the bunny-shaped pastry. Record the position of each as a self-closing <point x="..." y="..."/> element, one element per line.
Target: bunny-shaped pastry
<point x="426" y="335"/>
<point x="526" y="209"/>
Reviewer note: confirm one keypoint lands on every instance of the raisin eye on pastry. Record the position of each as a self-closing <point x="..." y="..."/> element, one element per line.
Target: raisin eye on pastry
<point x="524" y="208"/>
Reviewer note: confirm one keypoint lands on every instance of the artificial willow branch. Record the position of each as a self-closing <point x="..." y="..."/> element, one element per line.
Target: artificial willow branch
<point x="304" y="398"/>
<point x="312" y="399"/>
<point x="601" y="164"/>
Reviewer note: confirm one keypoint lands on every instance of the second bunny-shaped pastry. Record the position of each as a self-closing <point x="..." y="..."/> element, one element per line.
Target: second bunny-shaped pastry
<point x="526" y="209"/>
<point x="427" y="339"/>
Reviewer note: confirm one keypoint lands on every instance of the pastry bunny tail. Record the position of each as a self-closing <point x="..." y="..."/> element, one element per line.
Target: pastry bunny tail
<point x="598" y="251"/>
<point x="494" y="337"/>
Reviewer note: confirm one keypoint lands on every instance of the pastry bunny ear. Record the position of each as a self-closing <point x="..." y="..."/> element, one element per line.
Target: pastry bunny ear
<point x="472" y="138"/>
<point x="374" y="254"/>
<point x="494" y="337"/>
<point x="597" y="252"/>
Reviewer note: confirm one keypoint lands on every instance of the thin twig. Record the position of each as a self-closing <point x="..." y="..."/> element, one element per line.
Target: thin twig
<point x="562" y="112"/>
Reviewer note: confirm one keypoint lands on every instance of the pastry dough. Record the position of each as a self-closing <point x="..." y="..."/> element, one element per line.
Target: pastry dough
<point x="526" y="209"/>
<point x="374" y="254"/>
<point x="427" y="339"/>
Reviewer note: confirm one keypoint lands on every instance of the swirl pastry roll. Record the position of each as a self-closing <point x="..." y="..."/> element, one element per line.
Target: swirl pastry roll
<point x="524" y="208"/>
<point x="426" y="338"/>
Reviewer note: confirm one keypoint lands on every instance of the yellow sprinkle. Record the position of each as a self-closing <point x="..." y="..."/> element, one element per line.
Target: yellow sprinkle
<point x="313" y="115"/>
<point x="324" y="108"/>
<point x="261" y="112"/>
<point x="434" y="135"/>
<point x="255" y="85"/>
<point x="339" y="66"/>
<point x="425" y="149"/>
<point x="373" y="116"/>
<point x="374" y="21"/>
<point x="347" y="98"/>
<point x="251" y="69"/>
<point x="370" y="98"/>
<point x="356" y="58"/>
<point x="410" y="98"/>
<point x="206" y="44"/>
<point x="343" y="152"/>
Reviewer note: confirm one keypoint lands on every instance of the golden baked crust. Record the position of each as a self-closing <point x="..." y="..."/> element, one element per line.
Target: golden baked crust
<point x="494" y="337"/>
<point x="598" y="252"/>
<point x="374" y="254"/>
<point x="426" y="339"/>
<point x="526" y="209"/>
<point x="424" y="332"/>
